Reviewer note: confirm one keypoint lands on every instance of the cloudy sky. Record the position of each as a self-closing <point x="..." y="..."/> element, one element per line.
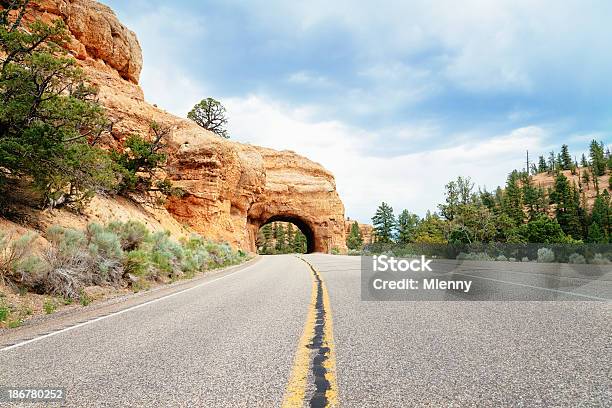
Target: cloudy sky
<point x="395" y="98"/>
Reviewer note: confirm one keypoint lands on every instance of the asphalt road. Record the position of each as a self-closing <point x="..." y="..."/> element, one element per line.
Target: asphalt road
<point x="231" y="342"/>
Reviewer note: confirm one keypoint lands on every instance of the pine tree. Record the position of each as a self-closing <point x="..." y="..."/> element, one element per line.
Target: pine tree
<point x="267" y="235"/>
<point x="598" y="160"/>
<point x="583" y="161"/>
<point x="407" y="224"/>
<point x="552" y="162"/>
<point x="586" y="178"/>
<point x="567" y="200"/>
<point x="600" y="214"/>
<point x="355" y="239"/>
<point x="299" y="244"/>
<point x="542" y="166"/>
<point x="533" y="197"/>
<point x="566" y="158"/>
<point x="596" y="234"/>
<point x="384" y="223"/>
<point x="512" y="203"/>
<point x="280" y="238"/>
<point x="290" y="238"/>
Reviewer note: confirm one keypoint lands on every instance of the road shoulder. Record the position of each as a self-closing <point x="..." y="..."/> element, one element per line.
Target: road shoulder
<point x="61" y="320"/>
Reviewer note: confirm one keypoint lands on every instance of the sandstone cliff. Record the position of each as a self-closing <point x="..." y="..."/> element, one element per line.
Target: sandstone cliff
<point x="367" y="230"/>
<point x="231" y="189"/>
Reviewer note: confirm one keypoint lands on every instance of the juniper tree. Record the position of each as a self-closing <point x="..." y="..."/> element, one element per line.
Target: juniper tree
<point x="50" y="119"/>
<point x="210" y="114"/>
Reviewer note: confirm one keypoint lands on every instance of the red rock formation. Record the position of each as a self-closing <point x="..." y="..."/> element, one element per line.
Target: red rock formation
<point x="231" y="188"/>
<point x="367" y="231"/>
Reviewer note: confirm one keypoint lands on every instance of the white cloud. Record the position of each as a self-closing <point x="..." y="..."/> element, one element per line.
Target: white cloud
<point x="414" y="181"/>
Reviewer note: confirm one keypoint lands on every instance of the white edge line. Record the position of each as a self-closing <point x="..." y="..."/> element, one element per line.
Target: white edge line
<point x="534" y="287"/>
<point x="97" y="319"/>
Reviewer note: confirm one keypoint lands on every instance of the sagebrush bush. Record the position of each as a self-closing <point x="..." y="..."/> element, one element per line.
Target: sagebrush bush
<point x="600" y="259"/>
<point x="104" y="248"/>
<point x="546" y="255"/>
<point x="479" y="256"/>
<point x="17" y="264"/>
<point x="132" y="234"/>
<point x="69" y="266"/>
<point x="576" y="259"/>
<point x="115" y="254"/>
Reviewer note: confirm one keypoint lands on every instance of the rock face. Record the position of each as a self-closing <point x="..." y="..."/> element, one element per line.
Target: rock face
<point x="231" y="189"/>
<point x="367" y="231"/>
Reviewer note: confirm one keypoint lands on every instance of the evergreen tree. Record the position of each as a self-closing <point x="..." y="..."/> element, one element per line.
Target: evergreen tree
<point x="290" y="238"/>
<point x="265" y="236"/>
<point x="512" y="203"/>
<point x="299" y="243"/>
<point x="281" y="244"/>
<point x="540" y="230"/>
<point x="598" y="161"/>
<point x="600" y="215"/>
<point x="458" y="192"/>
<point x="567" y="202"/>
<point x="586" y="178"/>
<point x="533" y="197"/>
<point x="50" y="120"/>
<point x="542" y="166"/>
<point x="596" y="234"/>
<point x="354" y="239"/>
<point x="430" y="230"/>
<point x="406" y="227"/>
<point x="384" y="223"/>
<point x="566" y="158"/>
<point x="583" y="161"/>
<point x="552" y="162"/>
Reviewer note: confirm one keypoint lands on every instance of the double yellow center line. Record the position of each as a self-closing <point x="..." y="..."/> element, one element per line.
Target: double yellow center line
<point x="315" y="354"/>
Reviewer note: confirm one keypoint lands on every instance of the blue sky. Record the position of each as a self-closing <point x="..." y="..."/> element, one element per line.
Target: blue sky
<point x="395" y="98"/>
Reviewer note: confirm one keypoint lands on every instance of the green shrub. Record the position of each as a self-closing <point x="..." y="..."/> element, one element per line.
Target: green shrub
<point x="4" y="313"/>
<point x="49" y="306"/>
<point x="13" y="324"/>
<point x="138" y="263"/>
<point x="85" y="299"/>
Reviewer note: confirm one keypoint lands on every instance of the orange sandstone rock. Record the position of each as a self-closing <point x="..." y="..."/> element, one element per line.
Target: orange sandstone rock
<point x="231" y="188"/>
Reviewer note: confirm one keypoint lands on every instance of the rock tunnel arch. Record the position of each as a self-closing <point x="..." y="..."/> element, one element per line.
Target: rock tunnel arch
<point x="301" y="224"/>
<point x="313" y="241"/>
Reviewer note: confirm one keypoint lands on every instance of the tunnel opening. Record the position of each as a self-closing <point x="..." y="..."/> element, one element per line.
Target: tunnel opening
<point x="284" y="235"/>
